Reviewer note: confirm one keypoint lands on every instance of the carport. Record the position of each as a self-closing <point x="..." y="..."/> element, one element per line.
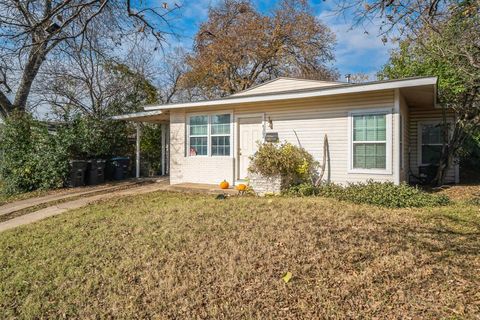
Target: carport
<point x="157" y="117"/>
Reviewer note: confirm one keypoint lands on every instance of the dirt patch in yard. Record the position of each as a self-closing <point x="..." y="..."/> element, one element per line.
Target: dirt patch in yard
<point x="177" y="256"/>
<point x="461" y="192"/>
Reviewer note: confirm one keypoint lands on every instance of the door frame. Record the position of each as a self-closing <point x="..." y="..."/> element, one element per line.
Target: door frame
<point x="237" y="138"/>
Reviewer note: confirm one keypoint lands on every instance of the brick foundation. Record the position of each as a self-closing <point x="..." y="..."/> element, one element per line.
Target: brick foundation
<point x="263" y="185"/>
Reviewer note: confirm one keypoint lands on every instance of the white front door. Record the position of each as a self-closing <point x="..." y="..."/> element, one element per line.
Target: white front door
<point x="249" y="133"/>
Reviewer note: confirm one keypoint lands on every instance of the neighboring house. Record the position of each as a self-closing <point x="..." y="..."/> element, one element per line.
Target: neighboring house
<point x="382" y="130"/>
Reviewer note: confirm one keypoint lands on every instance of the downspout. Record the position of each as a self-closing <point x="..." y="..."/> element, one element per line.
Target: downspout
<point x="396" y="137"/>
<point x="164" y="148"/>
<point x="137" y="150"/>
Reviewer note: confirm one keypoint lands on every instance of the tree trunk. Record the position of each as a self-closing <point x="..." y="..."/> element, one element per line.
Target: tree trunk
<point x="444" y="164"/>
<point x="35" y="59"/>
<point x="5" y="106"/>
<point x="449" y="151"/>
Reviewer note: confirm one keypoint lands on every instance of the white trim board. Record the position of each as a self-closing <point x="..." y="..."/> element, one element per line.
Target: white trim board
<point x="396" y="137"/>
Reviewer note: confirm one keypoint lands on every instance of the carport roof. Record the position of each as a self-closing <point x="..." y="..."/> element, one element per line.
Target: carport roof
<point x="156" y="116"/>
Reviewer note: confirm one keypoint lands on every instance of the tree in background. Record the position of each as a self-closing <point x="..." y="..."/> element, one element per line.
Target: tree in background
<point x="92" y="82"/>
<point x="440" y="38"/>
<point x="238" y="47"/>
<point x="171" y="71"/>
<point x="87" y="86"/>
<point x="88" y="79"/>
<point x="33" y="30"/>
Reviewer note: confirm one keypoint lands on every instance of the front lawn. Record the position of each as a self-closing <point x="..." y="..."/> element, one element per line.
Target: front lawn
<point x="177" y="256"/>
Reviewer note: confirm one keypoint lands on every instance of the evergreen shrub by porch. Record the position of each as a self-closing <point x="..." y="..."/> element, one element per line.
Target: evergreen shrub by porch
<point x="294" y="164"/>
<point x="385" y="194"/>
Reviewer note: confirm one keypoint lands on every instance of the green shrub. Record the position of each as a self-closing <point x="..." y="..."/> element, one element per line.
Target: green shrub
<point x="474" y="201"/>
<point x="31" y="158"/>
<point x="293" y="163"/>
<point x="151" y="142"/>
<point x="302" y="190"/>
<point x="34" y="158"/>
<point x="90" y="137"/>
<point x="385" y="194"/>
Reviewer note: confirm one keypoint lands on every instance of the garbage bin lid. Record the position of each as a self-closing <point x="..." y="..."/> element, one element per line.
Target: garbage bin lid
<point x="97" y="160"/>
<point x="77" y="161"/>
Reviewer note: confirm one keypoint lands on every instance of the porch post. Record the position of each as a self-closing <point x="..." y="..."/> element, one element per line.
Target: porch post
<point x="137" y="151"/>
<point x="164" y="149"/>
<point x="167" y="147"/>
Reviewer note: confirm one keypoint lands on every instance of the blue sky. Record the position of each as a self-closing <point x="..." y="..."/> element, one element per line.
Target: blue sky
<point x="356" y="50"/>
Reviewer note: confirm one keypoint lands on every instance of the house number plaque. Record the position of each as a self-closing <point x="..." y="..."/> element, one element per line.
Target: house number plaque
<point x="271" y="137"/>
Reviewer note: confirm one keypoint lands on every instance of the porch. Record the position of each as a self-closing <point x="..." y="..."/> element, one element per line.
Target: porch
<point x="154" y="117"/>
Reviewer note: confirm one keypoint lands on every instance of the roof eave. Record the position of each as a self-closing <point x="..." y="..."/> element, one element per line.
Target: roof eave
<point x="358" y="88"/>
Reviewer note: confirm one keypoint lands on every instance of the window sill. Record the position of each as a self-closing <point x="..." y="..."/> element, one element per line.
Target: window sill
<point x="370" y="171"/>
<point x="210" y="157"/>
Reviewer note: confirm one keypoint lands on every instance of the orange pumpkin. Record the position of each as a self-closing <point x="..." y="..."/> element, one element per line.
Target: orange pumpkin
<point x="224" y="184"/>
<point x="241" y="187"/>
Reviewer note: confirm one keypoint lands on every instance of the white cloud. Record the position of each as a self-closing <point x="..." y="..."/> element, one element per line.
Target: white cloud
<point x="359" y="48"/>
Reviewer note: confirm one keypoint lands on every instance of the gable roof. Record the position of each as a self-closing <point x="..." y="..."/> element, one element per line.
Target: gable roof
<point x="283" y="84"/>
<point x="307" y="93"/>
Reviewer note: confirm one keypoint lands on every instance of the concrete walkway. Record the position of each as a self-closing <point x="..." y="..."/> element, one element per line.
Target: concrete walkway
<point x="90" y="196"/>
<point x="75" y="204"/>
<point x="69" y="193"/>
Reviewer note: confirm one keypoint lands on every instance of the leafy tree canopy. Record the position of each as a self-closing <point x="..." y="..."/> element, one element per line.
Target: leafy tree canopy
<point x="449" y="49"/>
<point x="238" y="47"/>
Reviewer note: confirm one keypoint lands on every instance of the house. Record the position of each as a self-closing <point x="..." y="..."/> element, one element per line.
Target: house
<point x="381" y="130"/>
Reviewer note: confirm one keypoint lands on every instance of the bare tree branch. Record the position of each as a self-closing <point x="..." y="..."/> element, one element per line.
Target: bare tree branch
<point x="31" y="30"/>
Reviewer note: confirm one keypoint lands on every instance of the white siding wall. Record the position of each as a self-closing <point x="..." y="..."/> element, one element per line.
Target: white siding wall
<point x="307" y="119"/>
<point x="285" y="84"/>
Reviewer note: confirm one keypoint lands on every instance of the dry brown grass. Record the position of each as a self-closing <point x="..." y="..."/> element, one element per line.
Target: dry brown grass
<point x="177" y="256"/>
<point x="462" y="192"/>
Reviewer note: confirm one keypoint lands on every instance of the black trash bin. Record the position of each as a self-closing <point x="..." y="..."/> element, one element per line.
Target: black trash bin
<point x="120" y="167"/>
<point x="109" y="170"/>
<point x="77" y="173"/>
<point x="95" y="172"/>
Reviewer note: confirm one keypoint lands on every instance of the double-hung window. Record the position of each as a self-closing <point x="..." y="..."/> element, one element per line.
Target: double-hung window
<point x="210" y="135"/>
<point x="220" y="135"/>
<point x="198" y="135"/>
<point x="431" y="143"/>
<point x="369" y="141"/>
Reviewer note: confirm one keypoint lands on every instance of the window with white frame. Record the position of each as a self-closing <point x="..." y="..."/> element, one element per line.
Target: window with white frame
<point x="198" y="135"/>
<point x="431" y="143"/>
<point x="220" y="135"/>
<point x="369" y="141"/>
<point x="210" y="135"/>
